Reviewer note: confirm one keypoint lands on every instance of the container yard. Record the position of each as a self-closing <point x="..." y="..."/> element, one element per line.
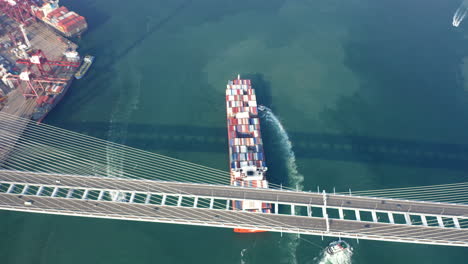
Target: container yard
<point x="37" y="61"/>
<point x="246" y="156"/>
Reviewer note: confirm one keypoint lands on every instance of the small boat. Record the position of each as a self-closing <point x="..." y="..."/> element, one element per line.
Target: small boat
<point x="336" y="247"/>
<point x="87" y="61"/>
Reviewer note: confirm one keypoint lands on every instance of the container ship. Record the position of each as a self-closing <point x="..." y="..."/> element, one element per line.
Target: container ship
<point x="66" y="22"/>
<point x="45" y="103"/>
<point x="246" y="156"/>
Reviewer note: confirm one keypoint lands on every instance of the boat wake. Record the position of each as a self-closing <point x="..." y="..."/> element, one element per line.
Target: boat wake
<point x="339" y="257"/>
<point x="460" y="14"/>
<point x="295" y="179"/>
<point x="243" y="259"/>
<point x="118" y="130"/>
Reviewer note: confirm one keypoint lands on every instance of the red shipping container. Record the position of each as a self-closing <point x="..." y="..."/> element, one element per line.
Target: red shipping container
<point x="63" y="20"/>
<point x="71" y="20"/>
<point x="57" y="12"/>
<point x="233" y="134"/>
<point x="61" y="12"/>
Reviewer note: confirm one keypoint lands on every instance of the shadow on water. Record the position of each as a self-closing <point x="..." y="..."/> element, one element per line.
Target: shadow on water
<point x="108" y="57"/>
<point x="306" y="145"/>
<point x="153" y="29"/>
<point x="262" y="88"/>
<point x="273" y="144"/>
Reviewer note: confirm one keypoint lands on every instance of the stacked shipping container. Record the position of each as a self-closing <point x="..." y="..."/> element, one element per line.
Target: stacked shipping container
<point x="67" y="22"/>
<point x="247" y="161"/>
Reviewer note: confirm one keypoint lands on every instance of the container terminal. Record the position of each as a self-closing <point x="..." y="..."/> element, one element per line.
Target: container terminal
<point x="246" y="155"/>
<point x="38" y="61"/>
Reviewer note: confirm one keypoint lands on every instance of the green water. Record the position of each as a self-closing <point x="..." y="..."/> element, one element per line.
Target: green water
<point x="371" y="93"/>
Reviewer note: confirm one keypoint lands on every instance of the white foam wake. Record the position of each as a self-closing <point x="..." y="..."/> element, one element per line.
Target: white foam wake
<point x="295" y="179"/>
<point x="243" y="254"/>
<point x="460" y="14"/>
<point x="118" y="130"/>
<point x="341" y="257"/>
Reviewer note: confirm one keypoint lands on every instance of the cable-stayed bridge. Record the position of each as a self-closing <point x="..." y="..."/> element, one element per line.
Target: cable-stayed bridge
<point x="54" y="171"/>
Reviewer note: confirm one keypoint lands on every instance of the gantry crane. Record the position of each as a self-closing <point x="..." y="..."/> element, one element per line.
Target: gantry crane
<point x="39" y="59"/>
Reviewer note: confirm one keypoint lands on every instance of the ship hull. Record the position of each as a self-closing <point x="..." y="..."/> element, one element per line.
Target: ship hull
<point x="248" y="231"/>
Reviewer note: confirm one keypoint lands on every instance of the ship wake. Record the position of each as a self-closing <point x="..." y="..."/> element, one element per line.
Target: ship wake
<point x="295" y="179"/>
<point x="460" y="14"/>
<point x="118" y="130"/>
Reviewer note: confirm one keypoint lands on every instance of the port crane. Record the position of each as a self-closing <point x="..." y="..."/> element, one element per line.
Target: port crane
<point x="34" y="84"/>
<point x="18" y="10"/>
<point x="43" y="64"/>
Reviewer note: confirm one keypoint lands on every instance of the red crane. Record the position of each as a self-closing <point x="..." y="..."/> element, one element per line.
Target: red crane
<point x="39" y="59"/>
<point x="18" y="10"/>
<point x="34" y="85"/>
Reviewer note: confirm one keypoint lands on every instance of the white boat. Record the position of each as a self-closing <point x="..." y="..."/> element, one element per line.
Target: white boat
<point x="337" y="246"/>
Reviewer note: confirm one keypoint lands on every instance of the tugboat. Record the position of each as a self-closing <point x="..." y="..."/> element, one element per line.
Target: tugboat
<point x="336" y="247"/>
<point x="87" y="61"/>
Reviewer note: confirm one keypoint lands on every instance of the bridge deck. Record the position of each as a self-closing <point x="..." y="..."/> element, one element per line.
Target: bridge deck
<point x="232" y="219"/>
<point x="229" y="192"/>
